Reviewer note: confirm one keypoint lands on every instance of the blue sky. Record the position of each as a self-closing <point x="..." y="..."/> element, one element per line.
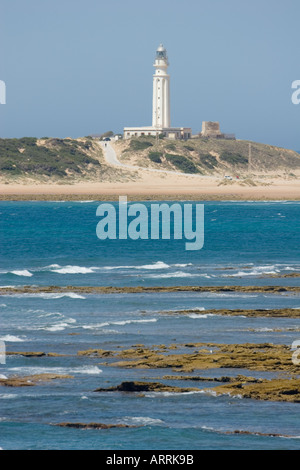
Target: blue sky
<point x="75" y="67"/>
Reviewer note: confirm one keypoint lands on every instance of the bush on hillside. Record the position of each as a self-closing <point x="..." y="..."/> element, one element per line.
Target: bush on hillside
<point x="62" y="157"/>
<point x="182" y="163"/>
<point x="209" y="161"/>
<point x="234" y="158"/>
<point x="155" y="157"/>
<point x="140" y="144"/>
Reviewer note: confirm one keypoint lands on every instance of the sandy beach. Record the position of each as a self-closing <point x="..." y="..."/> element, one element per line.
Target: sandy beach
<point x="160" y="187"/>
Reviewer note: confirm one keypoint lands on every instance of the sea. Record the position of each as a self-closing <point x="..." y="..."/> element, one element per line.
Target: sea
<point x="55" y="244"/>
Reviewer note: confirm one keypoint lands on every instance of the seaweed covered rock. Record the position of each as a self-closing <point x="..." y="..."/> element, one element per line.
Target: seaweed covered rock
<point x="144" y="387"/>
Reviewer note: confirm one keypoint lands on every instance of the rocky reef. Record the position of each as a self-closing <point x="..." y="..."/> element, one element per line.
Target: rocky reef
<point x="287" y="390"/>
<point x="31" y="380"/>
<point x="259" y="357"/>
<point x="144" y="289"/>
<point x="276" y="313"/>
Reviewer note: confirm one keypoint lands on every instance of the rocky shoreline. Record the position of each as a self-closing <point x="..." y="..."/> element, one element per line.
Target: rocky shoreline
<point x="143" y="289"/>
<point x="278" y="312"/>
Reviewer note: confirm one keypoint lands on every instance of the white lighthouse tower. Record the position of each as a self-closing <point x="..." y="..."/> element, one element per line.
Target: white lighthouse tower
<point x="161" y="90"/>
<point x="161" y="122"/>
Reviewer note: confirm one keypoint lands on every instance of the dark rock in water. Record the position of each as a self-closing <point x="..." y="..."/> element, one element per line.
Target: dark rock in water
<point x="26" y="353"/>
<point x="144" y="387"/>
<point x="96" y="353"/>
<point x="93" y="425"/>
<point x="223" y="379"/>
<point x="33" y="354"/>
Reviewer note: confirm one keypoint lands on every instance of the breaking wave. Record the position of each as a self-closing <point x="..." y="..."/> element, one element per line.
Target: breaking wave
<point x="55" y="268"/>
<point x="50" y="296"/>
<point x="23" y="272"/>
<point x="117" y="323"/>
<point x="176" y="274"/>
<point x="12" y="339"/>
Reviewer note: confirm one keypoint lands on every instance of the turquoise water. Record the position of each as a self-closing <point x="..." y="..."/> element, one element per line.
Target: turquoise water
<point x="43" y="243"/>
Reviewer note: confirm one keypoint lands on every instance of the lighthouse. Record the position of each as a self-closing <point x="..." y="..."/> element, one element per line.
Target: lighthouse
<point x="161" y="90"/>
<point x="161" y="121"/>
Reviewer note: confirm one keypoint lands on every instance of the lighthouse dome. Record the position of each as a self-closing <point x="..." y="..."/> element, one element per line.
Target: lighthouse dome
<point x="161" y="52"/>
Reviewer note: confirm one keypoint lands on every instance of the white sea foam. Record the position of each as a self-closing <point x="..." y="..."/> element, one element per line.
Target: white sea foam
<point x="127" y="322"/>
<point x="3" y="376"/>
<point x="84" y="370"/>
<point x="232" y="295"/>
<point x="209" y="428"/>
<point x="118" y="323"/>
<point x="54" y="328"/>
<point x="51" y="296"/>
<point x="256" y="271"/>
<point x="8" y="396"/>
<point x="72" y="295"/>
<point x="170" y="394"/>
<point x="23" y="272"/>
<point x="176" y="274"/>
<point x="214" y="394"/>
<point x="264" y="330"/>
<point x="206" y="315"/>
<point x="142" y="420"/>
<point x="59" y="326"/>
<point x="169" y="275"/>
<point x="54" y="314"/>
<point x="73" y="270"/>
<point x="12" y="339"/>
<point x="182" y="265"/>
<point x="157" y="265"/>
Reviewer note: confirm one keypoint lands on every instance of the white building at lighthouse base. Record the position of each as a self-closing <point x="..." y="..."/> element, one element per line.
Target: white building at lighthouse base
<point x="169" y="132"/>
